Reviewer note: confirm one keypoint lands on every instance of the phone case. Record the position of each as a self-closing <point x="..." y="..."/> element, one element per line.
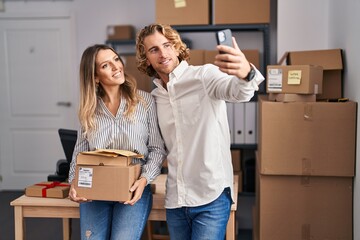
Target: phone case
<point x="224" y="37"/>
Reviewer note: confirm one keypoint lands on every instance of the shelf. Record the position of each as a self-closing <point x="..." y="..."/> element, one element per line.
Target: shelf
<point x="244" y="146"/>
<point x="212" y="28"/>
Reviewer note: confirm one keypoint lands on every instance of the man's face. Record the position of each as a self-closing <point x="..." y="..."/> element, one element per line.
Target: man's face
<point x="161" y="54"/>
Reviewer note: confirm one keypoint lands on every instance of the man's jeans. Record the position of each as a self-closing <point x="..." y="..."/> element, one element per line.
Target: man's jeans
<point x="199" y="223"/>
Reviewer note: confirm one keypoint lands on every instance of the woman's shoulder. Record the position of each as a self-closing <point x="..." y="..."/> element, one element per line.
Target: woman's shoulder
<point x="147" y="97"/>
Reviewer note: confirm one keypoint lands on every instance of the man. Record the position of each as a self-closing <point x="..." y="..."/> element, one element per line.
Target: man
<point x="193" y="121"/>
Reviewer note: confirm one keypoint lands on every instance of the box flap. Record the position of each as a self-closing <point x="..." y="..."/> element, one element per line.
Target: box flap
<point x="113" y="153"/>
<point x="330" y="59"/>
<point x="107" y="157"/>
<point x="282" y="60"/>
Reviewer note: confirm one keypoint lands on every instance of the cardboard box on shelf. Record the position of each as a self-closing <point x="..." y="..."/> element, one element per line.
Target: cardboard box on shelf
<point x="307" y="138"/>
<point x="300" y="79"/>
<point x="190" y="12"/>
<point x="330" y="60"/>
<point x="241" y="11"/>
<point x="196" y="57"/>
<point x="120" y="32"/>
<point x="48" y="190"/>
<point x="106" y="174"/>
<point x="143" y="81"/>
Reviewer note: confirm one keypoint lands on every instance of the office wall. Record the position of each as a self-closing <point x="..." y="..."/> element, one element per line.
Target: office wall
<point x="91" y="16"/>
<point x="302" y="25"/>
<point x="321" y="24"/>
<point x="344" y="17"/>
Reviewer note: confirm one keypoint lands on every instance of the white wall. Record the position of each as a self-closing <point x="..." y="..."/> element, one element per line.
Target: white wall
<point x="344" y="19"/>
<point x="321" y="24"/>
<point x="302" y="25"/>
<point x="91" y="16"/>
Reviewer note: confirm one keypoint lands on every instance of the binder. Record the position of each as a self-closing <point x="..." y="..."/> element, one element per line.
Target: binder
<point x="250" y="123"/>
<point x="239" y="123"/>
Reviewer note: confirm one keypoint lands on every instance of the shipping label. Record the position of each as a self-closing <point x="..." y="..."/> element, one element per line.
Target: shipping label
<point x="85" y="177"/>
<point x="274" y="81"/>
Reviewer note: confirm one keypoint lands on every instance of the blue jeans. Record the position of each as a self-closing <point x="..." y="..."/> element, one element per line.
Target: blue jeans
<point x="105" y="220"/>
<point x="199" y="223"/>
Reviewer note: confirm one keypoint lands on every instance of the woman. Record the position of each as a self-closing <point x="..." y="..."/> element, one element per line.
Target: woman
<point x="115" y="115"/>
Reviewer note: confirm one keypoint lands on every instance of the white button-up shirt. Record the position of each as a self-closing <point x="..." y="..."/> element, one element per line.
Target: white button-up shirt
<point x="193" y="122"/>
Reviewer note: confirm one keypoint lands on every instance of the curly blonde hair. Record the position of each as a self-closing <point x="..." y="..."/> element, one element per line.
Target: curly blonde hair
<point x="90" y="91"/>
<point x="171" y="34"/>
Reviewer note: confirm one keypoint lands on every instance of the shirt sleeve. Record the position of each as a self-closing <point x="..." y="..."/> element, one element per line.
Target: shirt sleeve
<point x="156" y="147"/>
<point x="80" y="146"/>
<point x="222" y="86"/>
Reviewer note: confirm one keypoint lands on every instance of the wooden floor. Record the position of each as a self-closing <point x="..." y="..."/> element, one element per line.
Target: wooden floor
<point x="48" y="228"/>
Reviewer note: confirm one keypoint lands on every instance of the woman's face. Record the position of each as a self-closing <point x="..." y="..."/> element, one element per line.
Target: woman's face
<point x="109" y="69"/>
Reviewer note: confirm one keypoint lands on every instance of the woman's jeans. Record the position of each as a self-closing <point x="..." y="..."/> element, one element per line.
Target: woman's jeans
<point x="107" y="220"/>
<point x="199" y="223"/>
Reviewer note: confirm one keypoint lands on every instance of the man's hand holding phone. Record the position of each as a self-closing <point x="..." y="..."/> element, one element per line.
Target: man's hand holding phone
<point x="231" y="59"/>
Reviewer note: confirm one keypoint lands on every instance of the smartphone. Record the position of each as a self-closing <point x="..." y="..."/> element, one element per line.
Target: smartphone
<point x="224" y="37"/>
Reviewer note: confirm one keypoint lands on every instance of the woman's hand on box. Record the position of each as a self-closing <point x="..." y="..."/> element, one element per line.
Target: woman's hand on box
<point x="137" y="188"/>
<point x="73" y="196"/>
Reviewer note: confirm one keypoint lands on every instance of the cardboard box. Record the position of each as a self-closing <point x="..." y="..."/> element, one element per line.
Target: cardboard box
<point x="236" y="159"/>
<point x="121" y="32"/>
<point x="331" y="61"/>
<point x="241" y="11"/>
<point x="106" y="174"/>
<point x="196" y="57"/>
<point x="307" y="138"/>
<point x="292" y="97"/>
<point x="143" y="81"/>
<point x="48" y="190"/>
<point x="300" y="79"/>
<point x="240" y="180"/>
<point x="296" y="207"/>
<point x="183" y="12"/>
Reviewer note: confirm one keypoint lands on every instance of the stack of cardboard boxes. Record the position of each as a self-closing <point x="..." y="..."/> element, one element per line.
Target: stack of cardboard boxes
<point x="306" y="156"/>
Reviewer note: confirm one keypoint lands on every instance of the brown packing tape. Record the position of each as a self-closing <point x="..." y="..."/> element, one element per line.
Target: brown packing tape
<point x="304" y="181"/>
<point x="306" y="166"/>
<point x="308" y="112"/>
